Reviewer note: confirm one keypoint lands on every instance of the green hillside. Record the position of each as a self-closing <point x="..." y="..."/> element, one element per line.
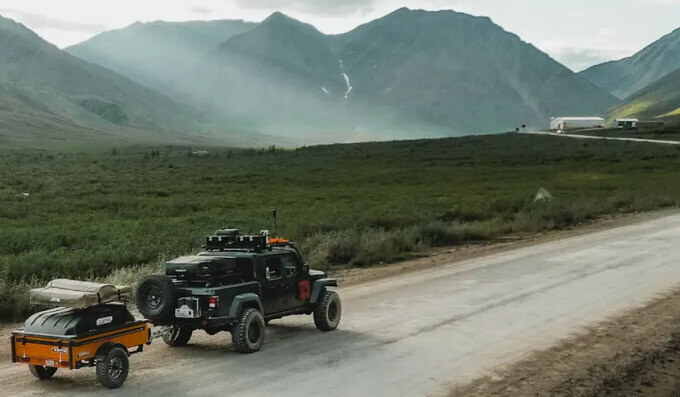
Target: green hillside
<point x="28" y="62"/>
<point x="629" y="75"/>
<point x="658" y="100"/>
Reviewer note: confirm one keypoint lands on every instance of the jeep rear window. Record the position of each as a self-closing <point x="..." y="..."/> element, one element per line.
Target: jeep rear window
<point x="245" y="268"/>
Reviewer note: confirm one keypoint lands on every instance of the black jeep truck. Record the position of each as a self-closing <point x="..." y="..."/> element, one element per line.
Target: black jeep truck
<point x="238" y="284"/>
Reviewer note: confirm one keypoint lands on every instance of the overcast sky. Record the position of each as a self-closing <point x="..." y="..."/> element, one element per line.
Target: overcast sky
<point x="578" y="33"/>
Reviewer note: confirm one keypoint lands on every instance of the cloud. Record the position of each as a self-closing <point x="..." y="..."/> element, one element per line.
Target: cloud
<point x="325" y="7"/>
<point x="37" y="21"/>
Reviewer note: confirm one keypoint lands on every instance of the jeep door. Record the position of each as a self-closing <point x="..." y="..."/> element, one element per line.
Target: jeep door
<point x="292" y="273"/>
<point x="274" y="285"/>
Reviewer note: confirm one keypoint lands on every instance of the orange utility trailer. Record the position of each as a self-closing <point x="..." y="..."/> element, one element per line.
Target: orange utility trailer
<point x="101" y="335"/>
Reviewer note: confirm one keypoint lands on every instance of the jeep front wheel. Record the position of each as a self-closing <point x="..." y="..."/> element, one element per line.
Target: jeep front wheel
<point x="42" y="372"/>
<point x="248" y="333"/>
<point x="177" y="336"/>
<point x="328" y="312"/>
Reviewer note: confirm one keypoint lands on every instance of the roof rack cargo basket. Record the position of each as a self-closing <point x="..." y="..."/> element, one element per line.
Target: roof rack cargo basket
<point x="230" y="239"/>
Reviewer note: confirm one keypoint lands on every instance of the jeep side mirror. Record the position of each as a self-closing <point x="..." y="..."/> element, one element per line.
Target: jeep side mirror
<point x="305" y="268"/>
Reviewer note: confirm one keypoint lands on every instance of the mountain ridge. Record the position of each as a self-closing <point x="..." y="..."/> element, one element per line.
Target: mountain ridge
<point x="658" y="100"/>
<point x="364" y="72"/>
<point x="628" y="75"/>
<point x="409" y="74"/>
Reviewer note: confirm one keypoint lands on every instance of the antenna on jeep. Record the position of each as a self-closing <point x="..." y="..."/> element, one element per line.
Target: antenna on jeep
<point x="276" y="228"/>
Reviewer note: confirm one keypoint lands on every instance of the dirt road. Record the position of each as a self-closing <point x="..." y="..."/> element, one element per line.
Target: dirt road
<point x="417" y="334"/>
<point x="609" y="138"/>
<point x="635" y="354"/>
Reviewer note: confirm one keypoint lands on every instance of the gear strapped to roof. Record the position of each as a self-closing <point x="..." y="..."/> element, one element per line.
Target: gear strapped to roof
<point x="78" y="294"/>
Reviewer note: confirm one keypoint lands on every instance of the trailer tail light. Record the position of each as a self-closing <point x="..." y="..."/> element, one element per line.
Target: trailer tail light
<point x="24" y="359"/>
<point x="213" y="301"/>
<point x="65" y="364"/>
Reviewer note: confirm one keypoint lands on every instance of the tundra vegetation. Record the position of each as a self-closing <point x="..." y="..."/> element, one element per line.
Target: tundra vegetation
<point x="118" y="214"/>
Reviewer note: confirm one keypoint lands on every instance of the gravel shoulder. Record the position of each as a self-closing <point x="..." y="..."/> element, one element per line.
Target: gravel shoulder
<point x="637" y="353"/>
<point x="447" y="255"/>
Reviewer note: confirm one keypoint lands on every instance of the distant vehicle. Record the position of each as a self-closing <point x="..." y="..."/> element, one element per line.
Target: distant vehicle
<point x="624" y="124"/>
<point x="238" y="284"/>
<point x="89" y="327"/>
<point x="571" y="123"/>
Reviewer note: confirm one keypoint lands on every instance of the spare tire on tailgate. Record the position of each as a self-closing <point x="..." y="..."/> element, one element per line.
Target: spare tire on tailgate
<point x="157" y="298"/>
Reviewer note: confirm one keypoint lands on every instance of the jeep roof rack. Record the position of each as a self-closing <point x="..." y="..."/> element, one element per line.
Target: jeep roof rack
<point x="231" y="240"/>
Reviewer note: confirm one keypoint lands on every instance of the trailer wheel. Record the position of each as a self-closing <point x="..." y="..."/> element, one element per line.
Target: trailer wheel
<point x="327" y="314"/>
<point x="156" y="297"/>
<point x="113" y="369"/>
<point x="248" y="333"/>
<point x="42" y="372"/>
<point x="177" y="336"/>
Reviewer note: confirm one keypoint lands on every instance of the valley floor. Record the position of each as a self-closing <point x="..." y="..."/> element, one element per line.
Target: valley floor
<point x="113" y="215"/>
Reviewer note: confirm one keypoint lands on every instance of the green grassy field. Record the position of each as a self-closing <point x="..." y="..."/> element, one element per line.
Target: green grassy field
<point x="670" y="132"/>
<point x="91" y="215"/>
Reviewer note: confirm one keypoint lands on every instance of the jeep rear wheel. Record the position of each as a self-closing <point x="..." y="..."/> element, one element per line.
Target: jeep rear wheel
<point x="248" y="333"/>
<point x="42" y="372"/>
<point x="177" y="336"/>
<point x="329" y="311"/>
<point x="113" y="369"/>
<point x="156" y="297"/>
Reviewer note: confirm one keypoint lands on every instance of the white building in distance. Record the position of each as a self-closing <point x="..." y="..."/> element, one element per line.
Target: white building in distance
<point x="570" y="123"/>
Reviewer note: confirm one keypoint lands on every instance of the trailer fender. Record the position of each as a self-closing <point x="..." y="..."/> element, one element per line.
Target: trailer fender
<point x="244" y="300"/>
<point x="320" y="287"/>
<point x="106" y="347"/>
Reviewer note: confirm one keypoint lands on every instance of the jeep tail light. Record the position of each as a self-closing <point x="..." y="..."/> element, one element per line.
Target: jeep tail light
<point x="213" y="301"/>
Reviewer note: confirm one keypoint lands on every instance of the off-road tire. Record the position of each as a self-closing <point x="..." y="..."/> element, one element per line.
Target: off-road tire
<point x="177" y="336"/>
<point x="157" y="297"/>
<point x="248" y="333"/>
<point x="113" y="369"/>
<point x="42" y="373"/>
<point x="328" y="312"/>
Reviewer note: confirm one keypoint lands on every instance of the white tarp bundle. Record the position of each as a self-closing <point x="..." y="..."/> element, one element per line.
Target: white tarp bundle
<point x="78" y="294"/>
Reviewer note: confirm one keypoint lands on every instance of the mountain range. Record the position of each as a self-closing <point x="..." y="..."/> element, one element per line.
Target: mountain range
<point x="409" y="74"/>
<point x="47" y="91"/>
<point x="626" y="76"/>
<point x="648" y="82"/>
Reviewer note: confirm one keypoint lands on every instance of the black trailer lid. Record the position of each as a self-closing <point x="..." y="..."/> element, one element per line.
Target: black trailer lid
<point x="67" y="322"/>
